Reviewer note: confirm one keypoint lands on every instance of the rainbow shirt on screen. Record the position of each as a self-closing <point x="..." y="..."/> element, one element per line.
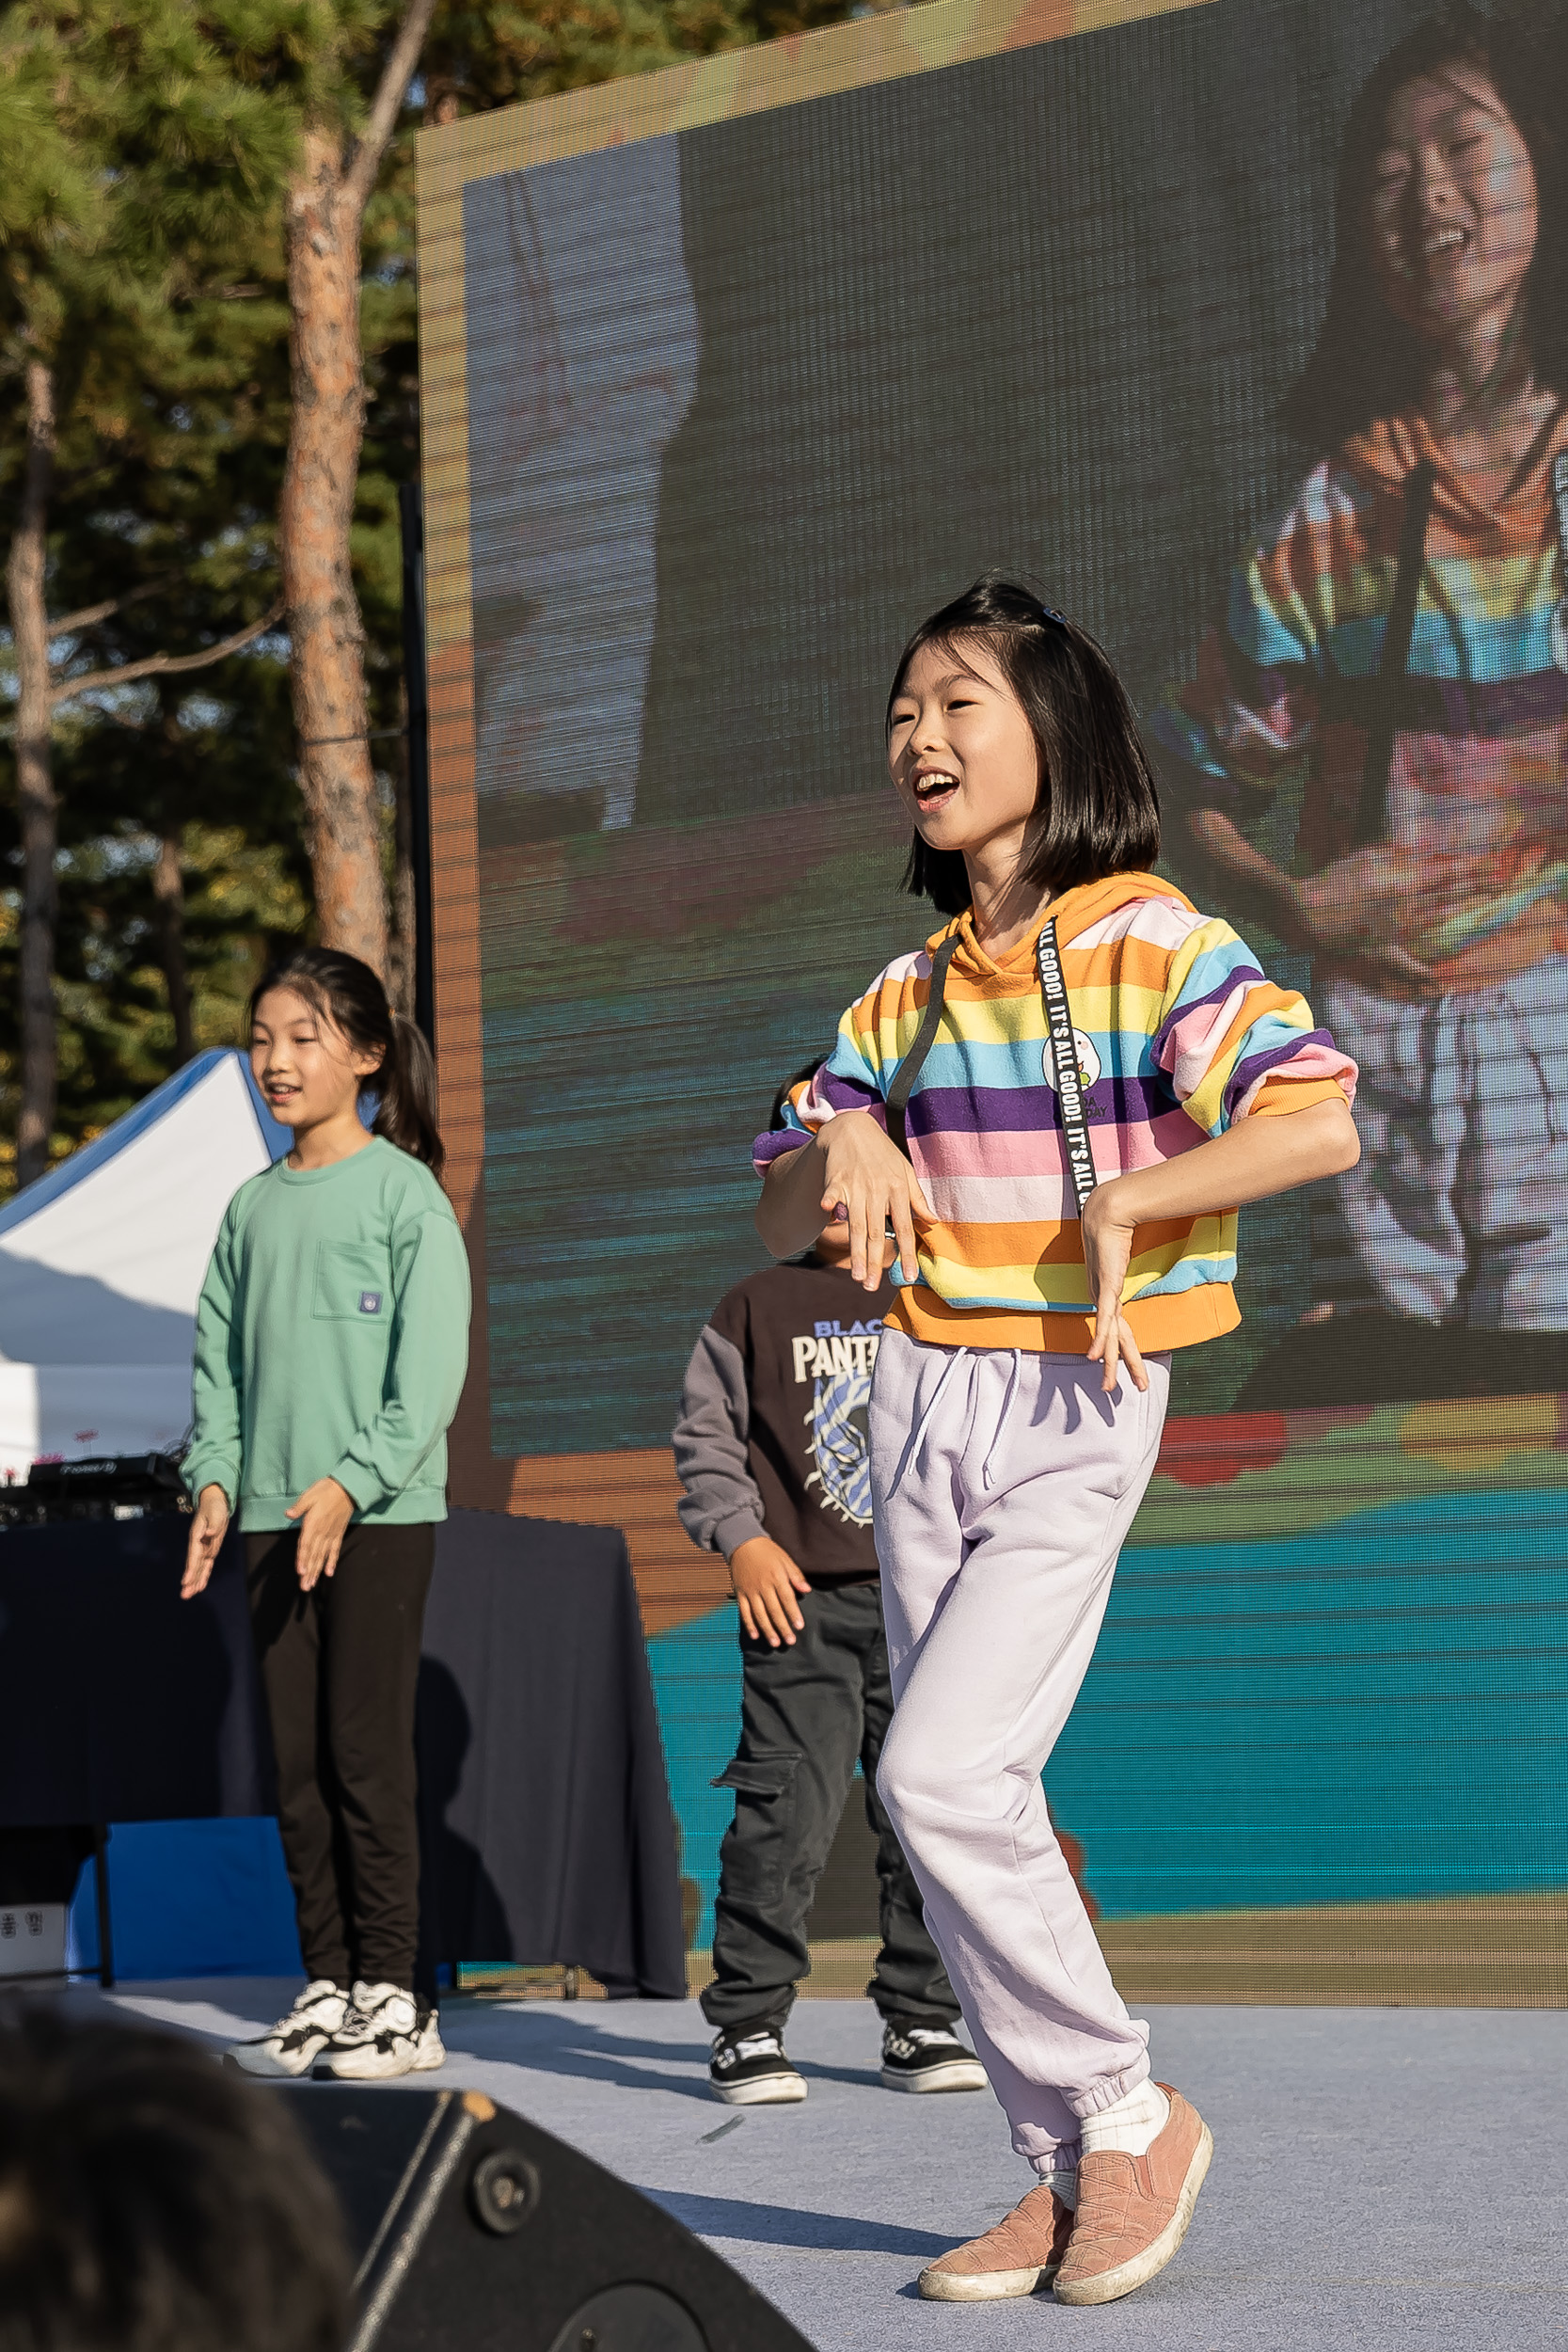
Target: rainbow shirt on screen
<point x="1284" y="692"/>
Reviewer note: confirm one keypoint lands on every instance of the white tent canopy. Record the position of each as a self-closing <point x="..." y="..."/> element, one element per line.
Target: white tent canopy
<point x="101" y="1267"/>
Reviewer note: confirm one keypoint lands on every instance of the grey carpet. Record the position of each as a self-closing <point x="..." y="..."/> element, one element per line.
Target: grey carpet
<point x="1384" y="2181"/>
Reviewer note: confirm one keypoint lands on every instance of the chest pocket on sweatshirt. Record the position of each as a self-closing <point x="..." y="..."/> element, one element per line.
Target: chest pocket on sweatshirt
<point x="354" y="1284"/>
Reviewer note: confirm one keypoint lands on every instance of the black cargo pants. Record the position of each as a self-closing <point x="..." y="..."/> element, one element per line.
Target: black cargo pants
<point x="807" y="1713"/>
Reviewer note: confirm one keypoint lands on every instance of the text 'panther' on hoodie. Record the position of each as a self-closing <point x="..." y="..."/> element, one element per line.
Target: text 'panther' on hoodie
<point x="771" y="1438"/>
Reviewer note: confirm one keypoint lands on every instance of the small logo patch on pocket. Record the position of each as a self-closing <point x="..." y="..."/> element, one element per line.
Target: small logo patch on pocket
<point x="370" y="1302"/>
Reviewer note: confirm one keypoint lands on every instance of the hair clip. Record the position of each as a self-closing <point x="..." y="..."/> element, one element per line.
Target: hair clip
<point x="1051" y="613"/>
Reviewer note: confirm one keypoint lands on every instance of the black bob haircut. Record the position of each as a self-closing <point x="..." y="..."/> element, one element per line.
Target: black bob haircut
<point x="1098" y="811"/>
<point x="1366" y="363"/>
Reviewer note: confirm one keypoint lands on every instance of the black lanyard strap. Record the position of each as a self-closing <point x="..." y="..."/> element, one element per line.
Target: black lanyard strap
<point x="1560" y="610"/>
<point x="925" y="1038"/>
<point x="1061" y="1047"/>
<point x="1064" y="1063"/>
<point x="1371" y="814"/>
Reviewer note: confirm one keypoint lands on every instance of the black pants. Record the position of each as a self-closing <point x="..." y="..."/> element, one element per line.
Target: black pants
<point x="340" y="1665"/>
<point x="807" y="1713"/>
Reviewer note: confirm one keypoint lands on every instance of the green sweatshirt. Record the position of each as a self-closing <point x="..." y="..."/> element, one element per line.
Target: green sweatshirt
<point x="332" y="1341"/>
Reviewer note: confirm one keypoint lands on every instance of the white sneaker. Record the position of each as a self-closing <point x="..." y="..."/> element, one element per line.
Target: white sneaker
<point x="298" y="2039"/>
<point x="385" y="2032"/>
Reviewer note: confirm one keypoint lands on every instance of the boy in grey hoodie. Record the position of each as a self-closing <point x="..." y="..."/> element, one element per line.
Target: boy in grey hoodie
<point x="771" y="1450"/>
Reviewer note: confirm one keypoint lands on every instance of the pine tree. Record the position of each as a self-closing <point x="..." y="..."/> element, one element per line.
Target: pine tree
<point x="161" y="810"/>
<point x="149" y="152"/>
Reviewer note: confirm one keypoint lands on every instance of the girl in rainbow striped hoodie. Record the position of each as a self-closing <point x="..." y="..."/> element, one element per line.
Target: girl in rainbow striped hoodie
<point x="1392" y="665"/>
<point x="1020" y="1386"/>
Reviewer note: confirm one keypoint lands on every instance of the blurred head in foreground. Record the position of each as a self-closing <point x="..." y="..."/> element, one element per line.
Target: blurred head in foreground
<point x="152" y="2202"/>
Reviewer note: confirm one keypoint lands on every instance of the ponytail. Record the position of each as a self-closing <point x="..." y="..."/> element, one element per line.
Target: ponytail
<point x="405" y="1084"/>
<point x="348" y="994"/>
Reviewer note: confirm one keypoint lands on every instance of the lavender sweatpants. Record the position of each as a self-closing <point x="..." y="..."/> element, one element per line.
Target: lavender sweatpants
<point x="1004" y="1483"/>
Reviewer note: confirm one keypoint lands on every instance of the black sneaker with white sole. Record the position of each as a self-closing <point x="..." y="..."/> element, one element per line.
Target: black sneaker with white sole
<point x="929" y="2057"/>
<point x="749" y="2069"/>
<point x="387" y="2032"/>
<point x="296" y="2042"/>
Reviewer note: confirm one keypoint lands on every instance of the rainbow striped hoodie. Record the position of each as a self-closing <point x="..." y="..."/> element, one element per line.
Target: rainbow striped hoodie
<point x="1178" y="1035"/>
<point x="1286" y="687"/>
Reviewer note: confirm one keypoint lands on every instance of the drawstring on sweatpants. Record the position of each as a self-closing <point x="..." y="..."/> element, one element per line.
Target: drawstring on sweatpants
<point x="1014" y="1376"/>
<point x="911" y="1454"/>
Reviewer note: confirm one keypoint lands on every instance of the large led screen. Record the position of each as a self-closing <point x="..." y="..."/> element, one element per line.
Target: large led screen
<point x="1240" y="329"/>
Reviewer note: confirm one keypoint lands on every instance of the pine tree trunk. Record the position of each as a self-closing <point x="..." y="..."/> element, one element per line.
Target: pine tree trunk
<point x="35" y="784"/>
<point x="169" y="889"/>
<point x="326" y="634"/>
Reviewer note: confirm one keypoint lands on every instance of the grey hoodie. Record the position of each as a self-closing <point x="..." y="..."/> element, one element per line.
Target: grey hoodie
<point x="771" y="1438"/>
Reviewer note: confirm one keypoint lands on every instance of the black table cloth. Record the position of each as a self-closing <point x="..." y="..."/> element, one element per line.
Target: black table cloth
<point x="545" y="1811"/>
<point x="546" y="1826"/>
<point x="118" y="1701"/>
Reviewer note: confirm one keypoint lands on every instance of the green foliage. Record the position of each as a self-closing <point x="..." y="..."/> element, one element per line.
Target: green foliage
<point x="479" y="56"/>
<point x="136" y="261"/>
<point x="494" y="57"/>
<point x="48" y="196"/>
<point x="118" y="1033"/>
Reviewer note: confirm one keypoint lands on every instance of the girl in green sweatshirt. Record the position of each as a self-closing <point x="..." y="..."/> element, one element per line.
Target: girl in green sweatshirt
<point x="332" y="1342"/>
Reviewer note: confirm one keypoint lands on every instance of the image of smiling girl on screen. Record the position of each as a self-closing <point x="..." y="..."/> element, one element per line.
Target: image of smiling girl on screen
<point x="1393" y="660"/>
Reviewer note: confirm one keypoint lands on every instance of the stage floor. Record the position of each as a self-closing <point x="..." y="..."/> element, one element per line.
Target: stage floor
<point x="1384" y="2180"/>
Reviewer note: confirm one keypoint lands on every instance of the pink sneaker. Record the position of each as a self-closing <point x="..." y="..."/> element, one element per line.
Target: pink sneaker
<point x="1023" y="2252"/>
<point x="1133" y="2211"/>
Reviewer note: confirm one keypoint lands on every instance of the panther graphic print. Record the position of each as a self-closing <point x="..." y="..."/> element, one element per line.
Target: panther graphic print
<point x="839" y="1367"/>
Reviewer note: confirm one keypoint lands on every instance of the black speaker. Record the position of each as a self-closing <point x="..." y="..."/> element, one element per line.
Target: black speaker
<point x="474" y="2232"/>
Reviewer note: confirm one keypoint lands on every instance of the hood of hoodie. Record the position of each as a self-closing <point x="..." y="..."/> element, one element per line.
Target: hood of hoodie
<point x="1385" y="453"/>
<point x="1074" y="912"/>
